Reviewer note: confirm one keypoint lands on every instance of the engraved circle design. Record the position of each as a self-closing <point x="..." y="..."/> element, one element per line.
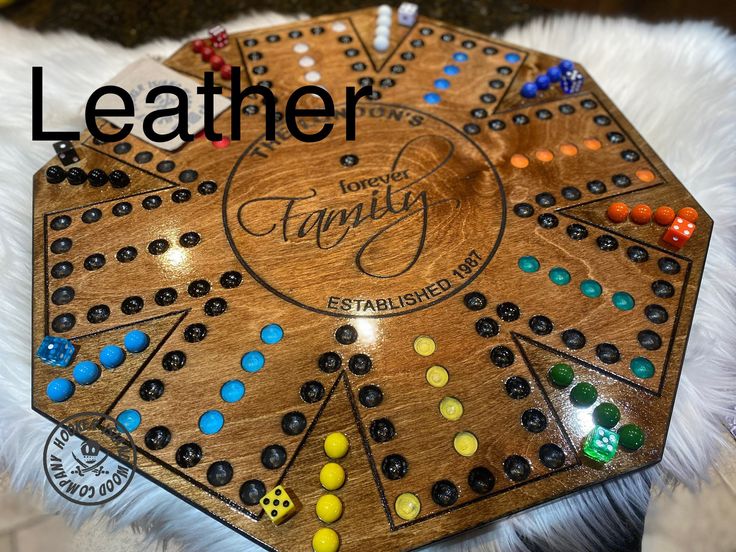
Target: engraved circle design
<point x="409" y="225"/>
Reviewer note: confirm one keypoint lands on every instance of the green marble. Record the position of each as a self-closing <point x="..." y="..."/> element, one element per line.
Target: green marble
<point x="583" y="394"/>
<point x="606" y="414"/>
<point x="591" y="288"/>
<point x="561" y="374"/>
<point x="631" y="436"/>
<point x="529" y="264"/>
<point x="559" y="276"/>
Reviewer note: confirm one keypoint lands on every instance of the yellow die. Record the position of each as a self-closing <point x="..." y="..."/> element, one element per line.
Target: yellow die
<point x="278" y="505"/>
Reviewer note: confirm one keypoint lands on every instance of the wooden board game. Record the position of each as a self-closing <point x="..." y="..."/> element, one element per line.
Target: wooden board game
<point x="410" y="290"/>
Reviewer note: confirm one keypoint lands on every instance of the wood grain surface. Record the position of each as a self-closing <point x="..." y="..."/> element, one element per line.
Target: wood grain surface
<point x="387" y="234"/>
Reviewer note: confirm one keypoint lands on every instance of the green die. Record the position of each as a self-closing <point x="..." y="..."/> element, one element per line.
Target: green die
<point x="601" y="444"/>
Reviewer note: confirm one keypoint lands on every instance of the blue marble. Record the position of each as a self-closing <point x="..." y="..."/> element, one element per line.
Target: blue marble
<point x="252" y="361"/>
<point x="460" y="56"/>
<point x="129" y="419"/>
<point x="136" y="341"/>
<point x="543" y="82"/>
<point x="60" y="389"/>
<point x="451" y="70"/>
<point x="271" y="334"/>
<point x="512" y="57"/>
<point x="86" y="372"/>
<point x="442" y="84"/>
<point x="566" y="65"/>
<point x="554" y="74"/>
<point x="432" y="98"/>
<point x="111" y="356"/>
<point x="232" y="391"/>
<point x="211" y="422"/>
<point x="528" y="90"/>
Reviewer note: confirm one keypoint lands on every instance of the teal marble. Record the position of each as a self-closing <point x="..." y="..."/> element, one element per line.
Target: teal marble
<point x="642" y="367"/>
<point x="623" y="301"/>
<point x="559" y="276"/>
<point x="591" y="288"/>
<point x="529" y="264"/>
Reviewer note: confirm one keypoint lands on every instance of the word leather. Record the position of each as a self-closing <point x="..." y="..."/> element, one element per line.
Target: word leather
<point x="292" y="113"/>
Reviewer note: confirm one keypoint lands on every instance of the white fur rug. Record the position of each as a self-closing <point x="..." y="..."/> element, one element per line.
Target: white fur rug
<point x="675" y="82"/>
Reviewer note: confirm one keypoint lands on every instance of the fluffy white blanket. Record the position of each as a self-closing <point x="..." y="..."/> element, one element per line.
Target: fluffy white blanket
<point x="675" y="82"/>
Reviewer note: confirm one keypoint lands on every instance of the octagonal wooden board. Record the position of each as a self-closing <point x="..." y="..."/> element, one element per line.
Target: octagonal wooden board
<point x="387" y="234"/>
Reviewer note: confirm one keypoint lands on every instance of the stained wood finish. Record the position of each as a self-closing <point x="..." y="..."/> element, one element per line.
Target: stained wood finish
<point x="446" y="228"/>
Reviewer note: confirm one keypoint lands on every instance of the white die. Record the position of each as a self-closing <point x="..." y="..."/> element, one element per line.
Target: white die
<point x="408" y="12"/>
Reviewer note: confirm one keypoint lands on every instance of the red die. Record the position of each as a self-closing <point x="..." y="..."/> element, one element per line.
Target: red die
<point x="678" y="232"/>
<point x="218" y="36"/>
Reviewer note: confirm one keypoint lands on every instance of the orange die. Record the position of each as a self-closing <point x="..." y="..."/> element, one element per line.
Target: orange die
<point x="678" y="232"/>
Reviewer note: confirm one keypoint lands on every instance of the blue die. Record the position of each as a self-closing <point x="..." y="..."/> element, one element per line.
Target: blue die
<point x="56" y="351"/>
<point x="572" y="82"/>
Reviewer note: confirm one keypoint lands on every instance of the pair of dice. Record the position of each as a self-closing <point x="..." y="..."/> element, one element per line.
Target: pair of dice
<point x="218" y="36"/>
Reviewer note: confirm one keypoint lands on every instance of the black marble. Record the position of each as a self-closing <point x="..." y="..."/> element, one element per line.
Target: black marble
<point x="188" y="455"/>
<point x="219" y="473"/>
<point x="534" y="420"/>
<point x="475" y="301"/>
<point x="607" y="353"/>
<point x="552" y="456"/>
<point x="273" y="457"/>
<point x="481" y="480"/>
<point x="517" y="468"/>
<point x="486" y="327"/>
<point x="360" y="364"/>
<point x="382" y="430"/>
<point x="394" y="466"/>
<point x="293" y="423"/>
<point x="502" y="356"/>
<point x="445" y="493"/>
<point x="151" y="389"/>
